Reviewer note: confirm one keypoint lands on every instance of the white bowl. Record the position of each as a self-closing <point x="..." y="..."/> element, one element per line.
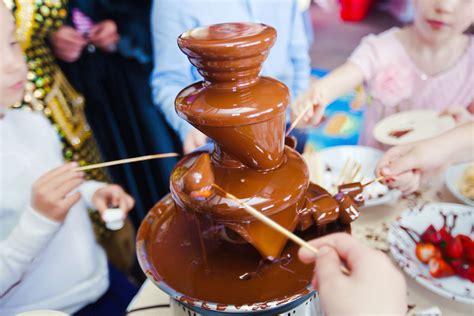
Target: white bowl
<point x="452" y="176"/>
<point x="368" y="157"/>
<point x="403" y="247"/>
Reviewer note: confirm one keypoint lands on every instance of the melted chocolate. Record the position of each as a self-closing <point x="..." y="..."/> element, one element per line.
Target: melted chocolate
<point x="198" y="180"/>
<point x="169" y="242"/>
<point x="400" y="133"/>
<point x="291" y="141"/>
<point x="355" y="191"/>
<point x="348" y="211"/>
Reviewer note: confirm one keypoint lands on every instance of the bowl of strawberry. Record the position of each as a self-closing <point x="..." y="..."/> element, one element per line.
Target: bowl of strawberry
<point x="434" y="244"/>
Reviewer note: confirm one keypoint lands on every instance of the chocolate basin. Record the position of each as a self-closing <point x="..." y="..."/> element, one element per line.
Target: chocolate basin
<point x="162" y="246"/>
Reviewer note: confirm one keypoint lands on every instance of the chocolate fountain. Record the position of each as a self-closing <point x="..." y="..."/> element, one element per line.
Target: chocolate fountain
<point x="201" y="247"/>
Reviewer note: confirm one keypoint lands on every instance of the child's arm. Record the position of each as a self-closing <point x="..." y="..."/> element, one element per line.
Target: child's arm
<point x="325" y="90"/>
<point x="405" y="164"/>
<point x="52" y="198"/>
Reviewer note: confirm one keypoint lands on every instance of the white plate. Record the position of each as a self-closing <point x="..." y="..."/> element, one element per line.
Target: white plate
<point x="335" y="158"/>
<point x="403" y="247"/>
<point x="452" y="176"/>
<point x="422" y="123"/>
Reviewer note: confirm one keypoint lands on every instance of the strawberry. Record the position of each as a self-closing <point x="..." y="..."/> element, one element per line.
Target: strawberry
<point x="454" y="248"/>
<point x="470" y="272"/>
<point x="431" y="235"/>
<point x="469" y="252"/>
<point x="465" y="240"/>
<point x="440" y="268"/>
<point x="425" y="251"/>
<point x="460" y="268"/>
<point x="445" y="234"/>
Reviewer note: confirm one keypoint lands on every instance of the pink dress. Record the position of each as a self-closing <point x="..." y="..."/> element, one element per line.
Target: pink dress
<point x="395" y="83"/>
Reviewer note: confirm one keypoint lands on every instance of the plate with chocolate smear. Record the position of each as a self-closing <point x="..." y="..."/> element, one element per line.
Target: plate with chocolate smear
<point x="434" y="244"/>
<point x="327" y="166"/>
<point x="411" y="126"/>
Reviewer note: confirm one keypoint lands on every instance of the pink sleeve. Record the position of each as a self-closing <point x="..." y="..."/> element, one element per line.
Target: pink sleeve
<point x="365" y="56"/>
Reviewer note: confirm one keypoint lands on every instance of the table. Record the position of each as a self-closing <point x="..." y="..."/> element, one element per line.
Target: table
<point x="372" y="227"/>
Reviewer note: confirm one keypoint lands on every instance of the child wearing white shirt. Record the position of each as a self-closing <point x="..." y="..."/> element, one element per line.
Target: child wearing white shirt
<point x="49" y="258"/>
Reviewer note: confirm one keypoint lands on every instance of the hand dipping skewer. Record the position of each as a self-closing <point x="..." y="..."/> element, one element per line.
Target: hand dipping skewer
<point x="298" y="119"/>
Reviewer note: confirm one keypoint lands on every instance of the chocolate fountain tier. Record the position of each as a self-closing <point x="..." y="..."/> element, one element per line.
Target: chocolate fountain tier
<point x="267" y="191"/>
<point x="243" y="113"/>
<point x="278" y="193"/>
<point x="229" y="55"/>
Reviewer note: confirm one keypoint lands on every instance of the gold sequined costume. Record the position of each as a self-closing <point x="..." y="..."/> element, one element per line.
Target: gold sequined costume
<point x="47" y="89"/>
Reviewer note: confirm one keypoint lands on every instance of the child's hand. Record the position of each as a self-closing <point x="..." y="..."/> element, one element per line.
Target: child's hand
<point x="361" y="292"/>
<point x="310" y="103"/>
<point x="112" y="196"/>
<point x="51" y="193"/>
<point x="194" y="140"/>
<point x="402" y="166"/>
<point x="459" y="114"/>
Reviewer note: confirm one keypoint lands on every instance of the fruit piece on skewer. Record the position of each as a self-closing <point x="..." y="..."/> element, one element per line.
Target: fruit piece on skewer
<point x="198" y="180"/>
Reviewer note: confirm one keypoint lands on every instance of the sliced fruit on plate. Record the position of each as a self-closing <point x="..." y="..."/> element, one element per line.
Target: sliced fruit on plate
<point x="440" y="268"/>
<point x="426" y="251"/>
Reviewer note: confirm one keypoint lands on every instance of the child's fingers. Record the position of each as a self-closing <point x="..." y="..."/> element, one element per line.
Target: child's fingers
<point x="123" y="203"/>
<point x="53" y="173"/>
<point x="130" y="202"/>
<point x="384" y="165"/>
<point x="413" y="185"/>
<point x="58" y="181"/>
<point x="318" y="113"/>
<point x="70" y="200"/>
<point x="328" y="266"/>
<point x="101" y="204"/>
<point x="66" y="188"/>
<point x="348" y="248"/>
<point x="404" y="182"/>
<point x="405" y="162"/>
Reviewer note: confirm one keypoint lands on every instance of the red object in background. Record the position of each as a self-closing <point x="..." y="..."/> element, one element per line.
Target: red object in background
<point x="354" y="10"/>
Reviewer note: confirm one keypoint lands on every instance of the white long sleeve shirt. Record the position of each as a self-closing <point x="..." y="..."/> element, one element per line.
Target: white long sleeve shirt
<point x="43" y="264"/>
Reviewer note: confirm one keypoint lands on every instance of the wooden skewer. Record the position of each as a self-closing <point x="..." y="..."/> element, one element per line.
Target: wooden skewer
<point x="342" y="174"/>
<point x="374" y="180"/>
<point x="124" y="161"/>
<point x="356" y="172"/>
<point x="298" y="119"/>
<point x="254" y="212"/>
